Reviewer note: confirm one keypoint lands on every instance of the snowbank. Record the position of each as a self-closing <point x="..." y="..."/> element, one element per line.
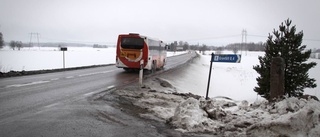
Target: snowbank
<point x="223" y="116"/>
<point x="290" y="117"/>
<point x="167" y="98"/>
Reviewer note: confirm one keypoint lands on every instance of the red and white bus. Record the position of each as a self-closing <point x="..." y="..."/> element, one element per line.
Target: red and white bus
<point x="132" y="48"/>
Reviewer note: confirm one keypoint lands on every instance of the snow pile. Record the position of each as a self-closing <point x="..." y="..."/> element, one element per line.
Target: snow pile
<point x="160" y="84"/>
<point x="223" y="116"/>
<point x="189" y="116"/>
<point x="289" y="117"/>
<point x="156" y="98"/>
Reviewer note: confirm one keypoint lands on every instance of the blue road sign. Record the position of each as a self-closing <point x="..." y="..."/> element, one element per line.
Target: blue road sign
<point x="228" y="58"/>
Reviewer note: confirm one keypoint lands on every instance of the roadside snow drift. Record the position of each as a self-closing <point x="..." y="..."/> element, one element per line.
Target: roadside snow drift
<point x="223" y="116"/>
<point x="290" y="117"/>
<point x="233" y="110"/>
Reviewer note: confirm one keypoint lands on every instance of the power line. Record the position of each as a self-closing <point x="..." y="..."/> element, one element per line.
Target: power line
<point x="76" y="41"/>
<point x="244" y="39"/>
<point x="312" y="39"/>
<point x="216" y="37"/>
<point x="244" y="36"/>
<point x="306" y="39"/>
<point x="257" y="35"/>
<point x="37" y="37"/>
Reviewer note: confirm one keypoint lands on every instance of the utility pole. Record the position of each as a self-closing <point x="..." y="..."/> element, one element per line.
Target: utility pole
<point x="36" y="36"/>
<point x="244" y="39"/>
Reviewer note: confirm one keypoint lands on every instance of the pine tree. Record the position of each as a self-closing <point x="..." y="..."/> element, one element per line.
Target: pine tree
<point x="286" y="43"/>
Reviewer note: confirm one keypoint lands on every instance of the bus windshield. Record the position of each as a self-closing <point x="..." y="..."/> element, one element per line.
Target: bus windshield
<point x="132" y="43"/>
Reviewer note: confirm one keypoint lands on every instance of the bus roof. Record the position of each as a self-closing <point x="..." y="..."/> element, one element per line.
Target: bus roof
<point x="142" y="36"/>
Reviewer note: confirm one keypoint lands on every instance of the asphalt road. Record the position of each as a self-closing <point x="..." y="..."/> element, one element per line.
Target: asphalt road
<point x="61" y="104"/>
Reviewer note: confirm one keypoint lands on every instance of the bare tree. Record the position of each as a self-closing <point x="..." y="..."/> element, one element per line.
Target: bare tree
<point x="15" y="44"/>
<point x="19" y="44"/>
<point x="219" y="50"/>
<point x="235" y="50"/>
<point x="12" y="44"/>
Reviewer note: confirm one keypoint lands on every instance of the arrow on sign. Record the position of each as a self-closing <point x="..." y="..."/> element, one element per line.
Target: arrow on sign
<point x="228" y="58"/>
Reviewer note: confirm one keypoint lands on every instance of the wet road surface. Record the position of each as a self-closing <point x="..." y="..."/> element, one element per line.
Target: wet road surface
<point x="63" y="104"/>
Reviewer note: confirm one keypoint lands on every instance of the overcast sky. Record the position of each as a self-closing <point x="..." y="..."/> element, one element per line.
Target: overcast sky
<point x="211" y="22"/>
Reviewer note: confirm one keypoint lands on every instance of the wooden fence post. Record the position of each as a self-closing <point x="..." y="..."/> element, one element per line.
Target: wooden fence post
<point x="277" y="78"/>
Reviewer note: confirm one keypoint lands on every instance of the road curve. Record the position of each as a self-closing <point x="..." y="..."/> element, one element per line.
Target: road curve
<point x="56" y="104"/>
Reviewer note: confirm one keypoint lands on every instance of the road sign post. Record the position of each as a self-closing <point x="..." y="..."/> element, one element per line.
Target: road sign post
<point x="209" y="76"/>
<point x="141" y="73"/>
<point x="63" y="49"/>
<point x="225" y="58"/>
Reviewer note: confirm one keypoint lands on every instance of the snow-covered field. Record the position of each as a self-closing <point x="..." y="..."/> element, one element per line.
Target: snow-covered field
<point x="43" y="58"/>
<point x="233" y="80"/>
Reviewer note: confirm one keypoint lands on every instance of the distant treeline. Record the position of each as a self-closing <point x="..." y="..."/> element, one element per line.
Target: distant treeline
<point x="49" y="44"/>
<point x="19" y="45"/>
<point x="99" y="46"/>
<point x="247" y="46"/>
<point x="316" y="50"/>
<point x="182" y="45"/>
